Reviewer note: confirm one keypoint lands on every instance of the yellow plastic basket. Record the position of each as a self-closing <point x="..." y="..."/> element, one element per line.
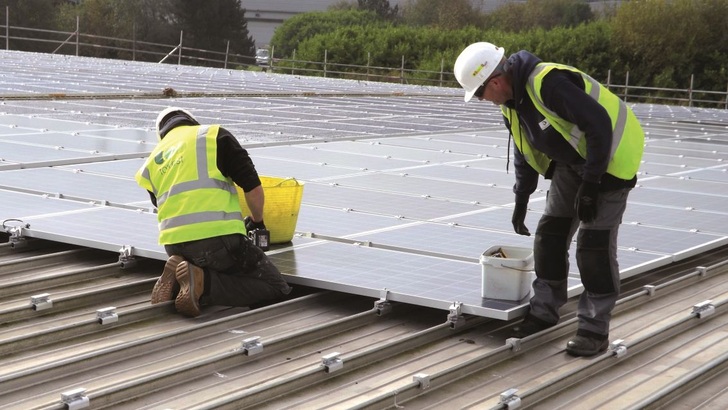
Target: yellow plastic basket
<point x="282" y="203"/>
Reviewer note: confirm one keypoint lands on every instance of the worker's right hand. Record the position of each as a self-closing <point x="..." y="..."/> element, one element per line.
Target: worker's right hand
<point x="250" y="225"/>
<point x="519" y="216"/>
<point x="586" y="201"/>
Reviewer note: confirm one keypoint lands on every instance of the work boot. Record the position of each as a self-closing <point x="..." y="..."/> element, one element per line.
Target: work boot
<point x="191" y="280"/>
<point x="586" y="346"/>
<point x="164" y="288"/>
<point x="529" y="326"/>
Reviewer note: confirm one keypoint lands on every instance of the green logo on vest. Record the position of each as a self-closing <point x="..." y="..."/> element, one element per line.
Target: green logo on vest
<point x="163" y="156"/>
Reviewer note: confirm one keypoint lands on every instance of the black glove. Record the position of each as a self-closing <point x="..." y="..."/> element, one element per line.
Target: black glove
<point x="250" y="225"/>
<point x="586" y="201"/>
<point x="519" y="215"/>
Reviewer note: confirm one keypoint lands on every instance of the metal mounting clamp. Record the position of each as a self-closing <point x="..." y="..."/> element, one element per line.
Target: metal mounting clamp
<point x="618" y="348"/>
<point x="510" y="399"/>
<point x="514" y="342"/>
<point x="252" y="346"/>
<point x="107" y="315"/>
<point x="332" y="362"/>
<point x="703" y="309"/>
<point x="16" y="239"/>
<point x="383" y="306"/>
<point x="455" y="317"/>
<point x="41" y="301"/>
<point x="423" y="379"/>
<point x="75" y="399"/>
<point x="126" y="257"/>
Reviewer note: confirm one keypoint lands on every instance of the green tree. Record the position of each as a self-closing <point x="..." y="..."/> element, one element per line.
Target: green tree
<point x="289" y="35"/>
<point x="114" y="24"/>
<point x="444" y="14"/>
<point x="380" y="7"/>
<point x="587" y="47"/>
<point x="95" y="17"/>
<point x="30" y="13"/>
<point x="210" y="25"/>
<point x="546" y="14"/>
<point x="146" y="21"/>
<point x="663" y="42"/>
<point x="343" y="5"/>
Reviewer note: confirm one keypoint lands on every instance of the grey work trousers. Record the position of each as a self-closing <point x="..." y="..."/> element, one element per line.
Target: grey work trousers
<point x="238" y="272"/>
<point x="596" y="254"/>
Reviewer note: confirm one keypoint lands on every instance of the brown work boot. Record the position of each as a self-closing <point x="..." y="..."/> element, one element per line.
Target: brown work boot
<point x="164" y="288"/>
<point x="191" y="280"/>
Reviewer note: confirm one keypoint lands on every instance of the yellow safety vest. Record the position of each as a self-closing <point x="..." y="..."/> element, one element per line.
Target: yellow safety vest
<point x="627" y="135"/>
<point x="194" y="200"/>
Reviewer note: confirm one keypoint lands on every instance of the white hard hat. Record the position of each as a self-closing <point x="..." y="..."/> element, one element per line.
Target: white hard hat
<point x="475" y="64"/>
<point x="169" y="110"/>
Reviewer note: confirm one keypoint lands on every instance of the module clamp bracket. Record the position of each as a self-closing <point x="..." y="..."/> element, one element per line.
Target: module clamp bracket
<point x="383" y="306"/>
<point x="332" y="362"/>
<point x="703" y="309"/>
<point x="126" y="257"/>
<point x="455" y="317"/>
<point x="107" y="315"/>
<point x="252" y="346"/>
<point x="510" y="399"/>
<point x="514" y="343"/>
<point x="75" y="399"/>
<point x="16" y="239"/>
<point x="618" y="348"/>
<point x="423" y="379"/>
<point x="41" y="301"/>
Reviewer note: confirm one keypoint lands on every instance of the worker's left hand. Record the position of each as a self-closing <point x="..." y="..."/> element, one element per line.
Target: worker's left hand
<point x="519" y="217"/>
<point x="251" y="225"/>
<point x="586" y="201"/>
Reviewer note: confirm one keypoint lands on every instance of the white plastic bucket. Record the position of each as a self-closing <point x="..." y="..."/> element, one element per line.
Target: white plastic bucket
<point x="507" y="272"/>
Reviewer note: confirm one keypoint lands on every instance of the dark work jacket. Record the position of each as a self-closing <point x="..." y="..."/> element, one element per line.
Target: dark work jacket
<point x="233" y="160"/>
<point x="563" y="93"/>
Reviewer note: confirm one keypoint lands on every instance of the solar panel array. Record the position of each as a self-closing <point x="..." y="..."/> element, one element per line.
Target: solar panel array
<point x="405" y="186"/>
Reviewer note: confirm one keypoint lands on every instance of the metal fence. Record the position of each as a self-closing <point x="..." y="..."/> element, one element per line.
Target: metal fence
<point x="676" y="96"/>
<point x="80" y="44"/>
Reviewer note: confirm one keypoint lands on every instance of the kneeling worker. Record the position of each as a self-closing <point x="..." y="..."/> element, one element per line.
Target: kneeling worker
<point x="190" y="177"/>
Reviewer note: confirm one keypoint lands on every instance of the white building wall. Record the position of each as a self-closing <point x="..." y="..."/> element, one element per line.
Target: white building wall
<point x="265" y="15"/>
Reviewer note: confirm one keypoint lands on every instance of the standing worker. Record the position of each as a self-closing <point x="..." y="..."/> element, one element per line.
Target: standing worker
<point x="190" y="177"/>
<point x="575" y="132"/>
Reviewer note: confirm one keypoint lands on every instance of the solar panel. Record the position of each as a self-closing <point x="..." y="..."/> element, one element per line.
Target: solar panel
<point x="405" y="187"/>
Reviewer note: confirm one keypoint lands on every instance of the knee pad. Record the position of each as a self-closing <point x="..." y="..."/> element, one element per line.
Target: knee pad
<point x="596" y="266"/>
<point x="551" y="247"/>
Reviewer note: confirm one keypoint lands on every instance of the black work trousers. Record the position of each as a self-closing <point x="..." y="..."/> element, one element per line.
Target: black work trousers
<point x="238" y="272"/>
<point x="596" y="254"/>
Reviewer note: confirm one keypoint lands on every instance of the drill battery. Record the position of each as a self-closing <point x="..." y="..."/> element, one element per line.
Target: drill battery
<point x="260" y="238"/>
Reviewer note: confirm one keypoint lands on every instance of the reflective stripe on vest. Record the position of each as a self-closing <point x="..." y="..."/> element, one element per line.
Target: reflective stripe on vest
<point x="194" y="203"/>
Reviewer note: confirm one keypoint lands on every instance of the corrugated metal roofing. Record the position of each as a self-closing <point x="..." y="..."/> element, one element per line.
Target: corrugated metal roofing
<point x="325" y="349"/>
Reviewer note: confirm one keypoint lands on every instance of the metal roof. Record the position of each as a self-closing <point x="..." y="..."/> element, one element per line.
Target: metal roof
<point x="78" y="325"/>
